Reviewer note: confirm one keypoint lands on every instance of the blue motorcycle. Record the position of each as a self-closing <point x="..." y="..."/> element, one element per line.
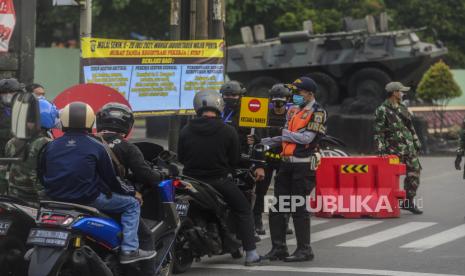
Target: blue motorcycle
<point x="72" y="239"/>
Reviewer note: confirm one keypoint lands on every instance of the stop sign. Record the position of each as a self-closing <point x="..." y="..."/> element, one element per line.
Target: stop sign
<point x="95" y="95"/>
<point x="254" y="105"/>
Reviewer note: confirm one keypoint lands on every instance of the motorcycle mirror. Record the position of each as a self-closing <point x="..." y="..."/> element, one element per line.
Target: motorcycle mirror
<point x="25" y="116"/>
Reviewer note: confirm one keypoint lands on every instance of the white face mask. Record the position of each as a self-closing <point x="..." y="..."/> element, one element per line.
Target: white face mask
<point x="7" y="98"/>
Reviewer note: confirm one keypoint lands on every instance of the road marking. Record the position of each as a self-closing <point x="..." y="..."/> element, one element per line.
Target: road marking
<point x="387" y="234"/>
<point x="437" y="239"/>
<point x="313" y="222"/>
<point x="307" y="270"/>
<point x="338" y="230"/>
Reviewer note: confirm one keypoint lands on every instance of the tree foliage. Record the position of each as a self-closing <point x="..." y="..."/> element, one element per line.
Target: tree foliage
<point x="445" y="19"/>
<point x="438" y="84"/>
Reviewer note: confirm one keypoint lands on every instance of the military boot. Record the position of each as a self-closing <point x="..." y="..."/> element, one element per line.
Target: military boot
<point x="278" y="238"/>
<point x="304" y="251"/>
<point x="409" y="205"/>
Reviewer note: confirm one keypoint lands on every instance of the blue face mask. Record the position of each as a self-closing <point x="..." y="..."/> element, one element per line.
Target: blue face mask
<point x="298" y="99"/>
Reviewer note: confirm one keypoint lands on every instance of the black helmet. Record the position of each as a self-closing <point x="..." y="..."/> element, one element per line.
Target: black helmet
<point x="115" y="117"/>
<point x="232" y="88"/>
<point x="77" y="115"/>
<point x="208" y="101"/>
<point x="279" y="92"/>
<point x="11" y="86"/>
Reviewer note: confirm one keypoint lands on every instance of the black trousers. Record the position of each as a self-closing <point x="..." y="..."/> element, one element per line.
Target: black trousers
<point x="241" y="208"/>
<point x="293" y="179"/>
<point x="261" y="189"/>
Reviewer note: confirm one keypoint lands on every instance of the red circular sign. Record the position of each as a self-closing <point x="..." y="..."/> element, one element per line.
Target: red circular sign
<point x="254" y="105"/>
<point x="95" y="95"/>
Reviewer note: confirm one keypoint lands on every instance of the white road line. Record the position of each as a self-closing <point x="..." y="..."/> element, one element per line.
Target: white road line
<point x="338" y="230"/>
<point x="437" y="239"/>
<point x="307" y="270"/>
<point x="313" y="222"/>
<point x="387" y="234"/>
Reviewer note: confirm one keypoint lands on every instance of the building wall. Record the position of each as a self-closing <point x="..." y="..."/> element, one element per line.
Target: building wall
<point x="56" y="69"/>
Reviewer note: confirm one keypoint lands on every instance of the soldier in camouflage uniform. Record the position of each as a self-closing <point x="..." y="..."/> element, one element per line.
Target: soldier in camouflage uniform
<point x="8" y="88"/>
<point x="23" y="182"/>
<point x="461" y="149"/>
<point x="395" y="134"/>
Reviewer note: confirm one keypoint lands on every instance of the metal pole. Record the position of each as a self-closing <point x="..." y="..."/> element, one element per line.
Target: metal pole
<point x="85" y="27"/>
<point x="175" y="34"/>
<point x="26" y="39"/>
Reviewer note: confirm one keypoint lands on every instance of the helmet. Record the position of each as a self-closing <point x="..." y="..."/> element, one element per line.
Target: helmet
<point x="208" y="101"/>
<point x="77" y="115"/>
<point x="232" y="88"/>
<point x="280" y="92"/>
<point x="115" y="117"/>
<point x="48" y="114"/>
<point x="10" y="86"/>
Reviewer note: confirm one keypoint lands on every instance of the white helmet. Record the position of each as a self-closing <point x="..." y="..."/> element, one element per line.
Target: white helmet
<point x="77" y="115"/>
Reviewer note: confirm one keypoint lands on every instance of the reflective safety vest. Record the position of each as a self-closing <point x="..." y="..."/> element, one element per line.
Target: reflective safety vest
<point x="299" y="120"/>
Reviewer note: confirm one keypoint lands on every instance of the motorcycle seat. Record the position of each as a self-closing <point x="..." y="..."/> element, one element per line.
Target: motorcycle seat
<point x="73" y="206"/>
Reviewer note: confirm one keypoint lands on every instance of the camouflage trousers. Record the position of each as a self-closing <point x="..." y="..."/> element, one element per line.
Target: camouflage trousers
<point x="3" y="180"/>
<point x="412" y="180"/>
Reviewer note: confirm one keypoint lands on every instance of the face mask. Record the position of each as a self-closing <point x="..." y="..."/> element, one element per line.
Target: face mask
<point x="7" y="98"/>
<point x="231" y="103"/>
<point x="298" y="100"/>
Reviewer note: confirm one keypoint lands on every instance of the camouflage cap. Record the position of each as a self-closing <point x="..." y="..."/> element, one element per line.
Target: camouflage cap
<point x="396" y="86"/>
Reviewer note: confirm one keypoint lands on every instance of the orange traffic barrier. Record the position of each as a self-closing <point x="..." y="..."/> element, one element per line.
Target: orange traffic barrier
<point x="354" y="187"/>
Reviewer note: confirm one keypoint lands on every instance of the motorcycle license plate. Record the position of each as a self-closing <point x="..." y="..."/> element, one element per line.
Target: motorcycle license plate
<point x="48" y="238"/>
<point x="4" y="226"/>
<point x="182" y="208"/>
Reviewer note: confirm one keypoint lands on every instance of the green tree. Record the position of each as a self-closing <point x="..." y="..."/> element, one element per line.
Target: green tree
<point x="439" y="87"/>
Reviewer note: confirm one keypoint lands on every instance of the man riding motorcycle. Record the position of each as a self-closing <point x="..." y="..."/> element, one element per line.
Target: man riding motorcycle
<point x="114" y="123"/>
<point x="76" y="168"/>
<point x="8" y="89"/>
<point x="22" y="181"/>
<point x="209" y="150"/>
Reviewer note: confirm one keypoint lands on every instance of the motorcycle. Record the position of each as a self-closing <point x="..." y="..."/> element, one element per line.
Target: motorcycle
<point x="16" y="219"/>
<point x="73" y="239"/>
<point x="209" y="228"/>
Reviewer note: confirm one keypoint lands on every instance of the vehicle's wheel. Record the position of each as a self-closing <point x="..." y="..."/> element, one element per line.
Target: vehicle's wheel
<point x="12" y="252"/>
<point x="328" y="90"/>
<point x="368" y="83"/>
<point x="182" y="256"/>
<point x="260" y="86"/>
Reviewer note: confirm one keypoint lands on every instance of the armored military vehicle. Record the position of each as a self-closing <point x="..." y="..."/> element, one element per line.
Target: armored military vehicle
<point x="356" y="62"/>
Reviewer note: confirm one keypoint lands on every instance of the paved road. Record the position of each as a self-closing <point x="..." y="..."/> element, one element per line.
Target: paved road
<point x="432" y="244"/>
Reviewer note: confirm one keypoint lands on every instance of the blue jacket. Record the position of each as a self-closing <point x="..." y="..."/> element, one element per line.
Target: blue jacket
<point x="77" y="168"/>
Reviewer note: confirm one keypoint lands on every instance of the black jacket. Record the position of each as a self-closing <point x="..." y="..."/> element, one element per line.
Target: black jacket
<point x="208" y="148"/>
<point x="129" y="155"/>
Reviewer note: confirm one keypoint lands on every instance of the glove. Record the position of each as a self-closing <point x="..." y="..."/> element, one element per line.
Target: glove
<point x="458" y="160"/>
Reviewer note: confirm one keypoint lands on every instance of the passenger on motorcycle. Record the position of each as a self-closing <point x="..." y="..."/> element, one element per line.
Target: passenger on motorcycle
<point x="76" y="168"/>
<point x="209" y="150"/>
<point x="22" y="180"/>
<point x="114" y="123"/>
